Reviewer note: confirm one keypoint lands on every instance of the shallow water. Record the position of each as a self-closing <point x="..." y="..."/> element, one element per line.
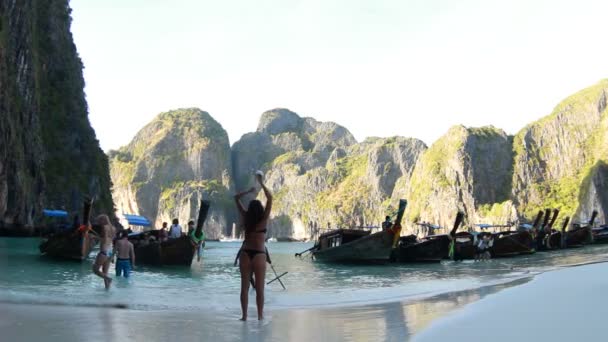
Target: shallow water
<point x="213" y="284"/>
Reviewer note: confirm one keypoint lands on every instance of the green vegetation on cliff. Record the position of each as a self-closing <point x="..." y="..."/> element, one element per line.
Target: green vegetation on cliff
<point x="344" y="185"/>
<point x="469" y="169"/>
<point x="212" y="190"/>
<point x="430" y="174"/>
<point x="348" y="194"/>
<point x="556" y="153"/>
<point x="57" y="159"/>
<point x="74" y="160"/>
<point x="180" y="157"/>
<point x="170" y="138"/>
<point x="320" y="175"/>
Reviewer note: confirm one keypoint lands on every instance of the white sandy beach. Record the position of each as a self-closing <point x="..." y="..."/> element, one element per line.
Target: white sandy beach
<point x="570" y="304"/>
<point x="562" y="305"/>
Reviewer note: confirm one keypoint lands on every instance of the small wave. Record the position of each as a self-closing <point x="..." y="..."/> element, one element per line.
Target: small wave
<point x="58" y="303"/>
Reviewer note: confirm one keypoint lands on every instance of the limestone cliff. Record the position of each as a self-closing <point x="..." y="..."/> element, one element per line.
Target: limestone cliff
<point x="467" y="169"/>
<point x="180" y="157"/>
<point x="49" y="156"/>
<point x="560" y="160"/>
<point x="320" y="175"/>
<point x="292" y="151"/>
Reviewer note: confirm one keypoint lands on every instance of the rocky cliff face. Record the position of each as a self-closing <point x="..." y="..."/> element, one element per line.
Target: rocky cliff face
<point x="560" y="160"/>
<point x="21" y="179"/>
<point x="320" y="175"/>
<point x="179" y="158"/>
<point x="282" y="133"/>
<point x="49" y="155"/>
<point x="292" y="151"/>
<point x="467" y="169"/>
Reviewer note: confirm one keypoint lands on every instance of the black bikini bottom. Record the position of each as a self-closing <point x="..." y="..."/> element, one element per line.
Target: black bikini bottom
<point x="252" y="252"/>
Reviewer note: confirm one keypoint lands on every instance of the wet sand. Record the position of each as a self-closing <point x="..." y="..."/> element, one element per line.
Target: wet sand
<point x="394" y="321"/>
<point x="561" y="305"/>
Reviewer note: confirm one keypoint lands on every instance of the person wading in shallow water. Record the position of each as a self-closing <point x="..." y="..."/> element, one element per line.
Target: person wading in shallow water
<point x="252" y="256"/>
<point x="197" y="241"/>
<point x="125" y="255"/>
<point x="104" y="257"/>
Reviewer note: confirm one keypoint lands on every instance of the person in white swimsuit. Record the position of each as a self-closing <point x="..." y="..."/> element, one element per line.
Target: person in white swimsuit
<point x="104" y="257"/>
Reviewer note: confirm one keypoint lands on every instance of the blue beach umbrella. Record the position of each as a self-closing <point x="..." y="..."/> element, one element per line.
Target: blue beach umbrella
<point x="136" y="220"/>
<point x="55" y="213"/>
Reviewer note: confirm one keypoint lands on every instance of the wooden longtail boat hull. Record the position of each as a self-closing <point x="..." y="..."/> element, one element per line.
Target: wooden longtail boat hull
<point x="574" y="239"/>
<point x="505" y="244"/>
<point x="172" y="252"/>
<point x="464" y="250"/>
<point x="431" y="250"/>
<point x="553" y="242"/>
<point x="75" y="244"/>
<point x="508" y="244"/>
<point x="179" y="252"/>
<point x="72" y="245"/>
<point x="600" y="235"/>
<point x="578" y="237"/>
<point x="358" y="246"/>
<point x="582" y="234"/>
<point x="370" y="248"/>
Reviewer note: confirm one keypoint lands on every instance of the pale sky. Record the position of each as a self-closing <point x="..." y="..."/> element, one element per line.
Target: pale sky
<point x="378" y="67"/>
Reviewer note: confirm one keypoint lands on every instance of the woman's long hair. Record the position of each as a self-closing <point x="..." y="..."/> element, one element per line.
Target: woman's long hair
<point x="254" y="215"/>
<point x="103" y="221"/>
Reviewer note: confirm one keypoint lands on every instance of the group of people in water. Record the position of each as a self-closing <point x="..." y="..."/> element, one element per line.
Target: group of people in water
<point x="251" y="257"/>
<point x="124" y="252"/>
<point x="115" y="247"/>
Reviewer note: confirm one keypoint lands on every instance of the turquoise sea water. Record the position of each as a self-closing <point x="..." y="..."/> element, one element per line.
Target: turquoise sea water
<point x="213" y="284"/>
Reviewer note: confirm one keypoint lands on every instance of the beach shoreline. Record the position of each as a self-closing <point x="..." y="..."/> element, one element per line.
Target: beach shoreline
<point x="323" y="302"/>
<point x="428" y="319"/>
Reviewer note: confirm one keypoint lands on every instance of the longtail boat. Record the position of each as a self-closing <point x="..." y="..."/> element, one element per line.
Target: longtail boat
<point x="556" y="239"/>
<point x="511" y="243"/>
<point x="546" y="237"/>
<point x="581" y="234"/>
<point x="179" y="251"/>
<point x="463" y="245"/>
<point x="432" y="248"/>
<point x="540" y="231"/>
<point x="355" y="245"/>
<point x="516" y="242"/>
<point x="75" y="244"/>
<point x="600" y="234"/>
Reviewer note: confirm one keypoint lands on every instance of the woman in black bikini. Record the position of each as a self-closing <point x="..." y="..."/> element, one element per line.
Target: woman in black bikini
<point x="252" y="256"/>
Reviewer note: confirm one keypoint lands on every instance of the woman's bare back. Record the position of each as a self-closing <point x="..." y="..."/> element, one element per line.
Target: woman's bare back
<point x="256" y="239"/>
